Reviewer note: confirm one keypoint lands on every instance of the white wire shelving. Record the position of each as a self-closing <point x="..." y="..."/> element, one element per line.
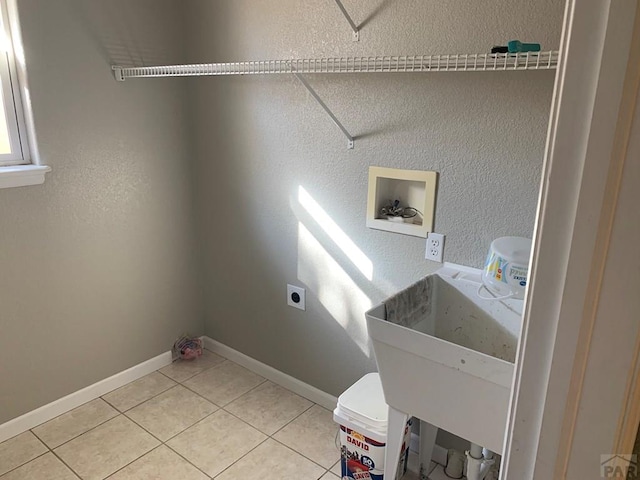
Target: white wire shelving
<point x="477" y="62"/>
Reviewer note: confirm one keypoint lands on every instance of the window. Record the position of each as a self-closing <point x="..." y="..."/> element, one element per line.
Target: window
<point x="18" y="160"/>
<point x="14" y="147"/>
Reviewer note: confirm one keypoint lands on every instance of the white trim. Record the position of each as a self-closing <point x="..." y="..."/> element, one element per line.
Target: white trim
<point x="11" y="94"/>
<point x="21" y="93"/>
<point x="276" y="376"/>
<point x="587" y="95"/>
<point x="47" y="412"/>
<point x="22" y="175"/>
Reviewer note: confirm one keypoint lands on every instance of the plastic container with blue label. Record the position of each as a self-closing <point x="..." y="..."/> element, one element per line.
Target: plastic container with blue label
<point x="507" y="267"/>
<point x="362" y="416"/>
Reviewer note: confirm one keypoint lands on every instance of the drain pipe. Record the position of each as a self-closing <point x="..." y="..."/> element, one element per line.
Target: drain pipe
<point x="494" y="470"/>
<point x="478" y="462"/>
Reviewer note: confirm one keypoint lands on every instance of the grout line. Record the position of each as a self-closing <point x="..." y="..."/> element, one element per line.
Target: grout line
<point x="125" y="466"/>
<point x="181" y="431"/>
<point x="197" y="373"/>
<point x="112" y="473"/>
<point x="66" y="464"/>
<point x="265" y="433"/>
<point x="164" y="375"/>
<point x="87" y="431"/>
<point x="134" y="460"/>
<point x="25" y="463"/>
<point x="202" y="372"/>
<point x="236" y="416"/>
<point x="165" y="443"/>
<point x="301" y="454"/>
<point x="148" y="399"/>
<point x="162" y="444"/>
<point x="119" y="414"/>
<point x="202" y="396"/>
<point x="220" y="473"/>
<point x="256" y="428"/>
<point x="281" y="428"/>
<point x="78" y="435"/>
<point x="39" y="439"/>
<point x="200" y="421"/>
<point x="138" y="404"/>
<point x="223" y="408"/>
<point x="264" y="380"/>
<point x="143" y="428"/>
<point x="230" y="402"/>
<point x="187" y="460"/>
<point x="64" y="413"/>
<point x="246" y="423"/>
<point x="296" y="417"/>
<point x="330" y="473"/>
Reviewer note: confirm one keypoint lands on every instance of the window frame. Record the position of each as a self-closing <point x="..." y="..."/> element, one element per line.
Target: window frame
<point x="27" y="169"/>
<point x="11" y="90"/>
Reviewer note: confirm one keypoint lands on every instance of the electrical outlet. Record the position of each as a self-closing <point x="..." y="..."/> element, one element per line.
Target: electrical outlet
<point x="435" y="247"/>
<point x="295" y="297"/>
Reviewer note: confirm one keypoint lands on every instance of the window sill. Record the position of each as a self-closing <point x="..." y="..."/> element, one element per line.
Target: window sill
<point x="22" y="175"/>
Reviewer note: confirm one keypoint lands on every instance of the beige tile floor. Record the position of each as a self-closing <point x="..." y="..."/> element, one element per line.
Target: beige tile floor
<point x="205" y="419"/>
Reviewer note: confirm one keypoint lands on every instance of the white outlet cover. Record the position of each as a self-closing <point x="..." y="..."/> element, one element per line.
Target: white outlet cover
<point x="291" y="290"/>
<point x="435" y="247"/>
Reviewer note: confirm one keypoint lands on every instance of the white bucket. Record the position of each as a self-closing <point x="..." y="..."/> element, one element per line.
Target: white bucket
<point x="507" y="267"/>
<point x="362" y="416"/>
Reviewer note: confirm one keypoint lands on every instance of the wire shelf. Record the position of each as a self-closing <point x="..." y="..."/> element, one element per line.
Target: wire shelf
<point x="478" y="62"/>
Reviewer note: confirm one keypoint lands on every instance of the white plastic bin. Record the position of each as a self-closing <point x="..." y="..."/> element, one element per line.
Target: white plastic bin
<point x="362" y="416"/>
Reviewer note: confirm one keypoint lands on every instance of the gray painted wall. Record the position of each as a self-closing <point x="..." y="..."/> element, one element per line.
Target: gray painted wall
<point x="100" y="268"/>
<point x="259" y="139"/>
<point x="97" y="265"/>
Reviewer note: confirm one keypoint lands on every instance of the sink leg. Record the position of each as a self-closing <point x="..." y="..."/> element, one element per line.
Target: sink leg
<point x="397" y="422"/>
<point x="428" y="434"/>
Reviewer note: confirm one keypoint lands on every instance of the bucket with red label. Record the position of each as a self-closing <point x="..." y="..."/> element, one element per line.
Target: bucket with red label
<point x="362" y="416"/>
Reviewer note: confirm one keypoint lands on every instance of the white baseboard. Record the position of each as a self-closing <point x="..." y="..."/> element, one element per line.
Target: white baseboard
<point x="276" y="376"/>
<point x="439" y="453"/>
<point x="47" y="412"/>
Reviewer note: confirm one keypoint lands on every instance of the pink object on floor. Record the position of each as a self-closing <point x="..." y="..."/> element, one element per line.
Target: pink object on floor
<point x="187" y="348"/>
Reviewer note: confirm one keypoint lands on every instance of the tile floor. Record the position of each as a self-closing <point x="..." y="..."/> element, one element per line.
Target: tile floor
<point x="198" y="420"/>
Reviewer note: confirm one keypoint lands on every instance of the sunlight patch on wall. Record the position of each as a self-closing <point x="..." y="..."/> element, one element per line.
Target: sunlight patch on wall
<point x="341" y="239"/>
<point x="335" y="290"/>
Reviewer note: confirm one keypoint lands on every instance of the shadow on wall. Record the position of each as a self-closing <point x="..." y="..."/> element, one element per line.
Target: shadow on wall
<point x="128" y="33"/>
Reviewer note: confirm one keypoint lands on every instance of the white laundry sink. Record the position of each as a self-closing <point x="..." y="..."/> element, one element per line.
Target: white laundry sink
<point x="447" y="356"/>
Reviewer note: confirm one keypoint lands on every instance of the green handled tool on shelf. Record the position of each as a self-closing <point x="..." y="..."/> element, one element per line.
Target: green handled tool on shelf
<point x="516" y="46"/>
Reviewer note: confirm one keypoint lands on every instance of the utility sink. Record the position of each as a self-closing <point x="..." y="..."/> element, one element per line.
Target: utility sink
<point x="446" y="356"/>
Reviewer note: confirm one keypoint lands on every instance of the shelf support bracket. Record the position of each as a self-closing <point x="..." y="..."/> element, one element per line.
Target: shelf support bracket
<point x="354" y="27"/>
<point x="326" y="109"/>
<point x="117" y="72"/>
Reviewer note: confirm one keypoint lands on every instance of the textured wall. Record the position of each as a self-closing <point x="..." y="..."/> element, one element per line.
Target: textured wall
<point x="96" y="265"/>
<point x="260" y="139"/>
